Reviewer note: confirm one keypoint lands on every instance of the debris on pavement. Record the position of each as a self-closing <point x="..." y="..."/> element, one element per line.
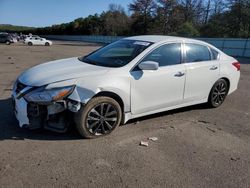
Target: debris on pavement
<point x="154" y="139"/>
<point x="143" y="143"/>
<point x="235" y="158"/>
<point x="210" y="129"/>
<point x="172" y="127"/>
<point x="203" y="121"/>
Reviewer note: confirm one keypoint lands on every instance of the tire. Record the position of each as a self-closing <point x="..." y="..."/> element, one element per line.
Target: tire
<point x="99" y="117"/>
<point x="7" y="42"/>
<point x="218" y="93"/>
<point x="30" y="43"/>
<point x="47" y="44"/>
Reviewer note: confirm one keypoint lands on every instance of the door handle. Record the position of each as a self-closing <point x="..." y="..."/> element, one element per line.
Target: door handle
<point x="213" y="68"/>
<point x="179" y="74"/>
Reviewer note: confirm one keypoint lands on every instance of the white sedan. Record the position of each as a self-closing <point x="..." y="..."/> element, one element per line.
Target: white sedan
<point x="130" y="78"/>
<point x="37" y="41"/>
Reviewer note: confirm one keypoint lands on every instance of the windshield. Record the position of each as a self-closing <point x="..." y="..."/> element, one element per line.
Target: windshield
<point x="117" y="54"/>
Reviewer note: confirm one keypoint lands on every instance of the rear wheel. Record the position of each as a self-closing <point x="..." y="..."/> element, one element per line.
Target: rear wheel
<point x="218" y="93"/>
<point x="98" y="117"/>
<point x="30" y="43"/>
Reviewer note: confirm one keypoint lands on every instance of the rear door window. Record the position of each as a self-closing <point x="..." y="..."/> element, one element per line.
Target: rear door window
<point x="197" y="53"/>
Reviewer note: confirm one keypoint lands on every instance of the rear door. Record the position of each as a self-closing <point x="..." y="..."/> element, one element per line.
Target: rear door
<point x="203" y="71"/>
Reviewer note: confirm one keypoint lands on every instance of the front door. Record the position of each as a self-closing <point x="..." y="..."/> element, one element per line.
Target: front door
<point x="162" y="88"/>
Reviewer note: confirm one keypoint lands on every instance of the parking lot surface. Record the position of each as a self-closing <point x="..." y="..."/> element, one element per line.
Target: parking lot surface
<point x="197" y="147"/>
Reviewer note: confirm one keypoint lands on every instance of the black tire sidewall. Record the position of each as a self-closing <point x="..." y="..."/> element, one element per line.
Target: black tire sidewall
<point x="30" y="43"/>
<point x="81" y="116"/>
<point x="47" y="44"/>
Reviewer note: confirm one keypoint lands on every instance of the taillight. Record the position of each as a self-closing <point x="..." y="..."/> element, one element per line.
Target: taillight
<point x="237" y="65"/>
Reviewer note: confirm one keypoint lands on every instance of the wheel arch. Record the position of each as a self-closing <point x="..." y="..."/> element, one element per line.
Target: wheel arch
<point x="112" y="95"/>
<point x="227" y="80"/>
<point x="223" y="78"/>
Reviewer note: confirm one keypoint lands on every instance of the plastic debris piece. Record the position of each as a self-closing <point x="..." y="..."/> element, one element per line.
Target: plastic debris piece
<point x="235" y="158"/>
<point x="154" y="139"/>
<point x="143" y="143"/>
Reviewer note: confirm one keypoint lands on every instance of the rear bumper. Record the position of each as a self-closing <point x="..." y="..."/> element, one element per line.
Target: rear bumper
<point x="234" y="82"/>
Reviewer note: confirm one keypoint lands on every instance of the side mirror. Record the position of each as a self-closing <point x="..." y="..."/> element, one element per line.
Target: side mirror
<point x="149" y="65"/>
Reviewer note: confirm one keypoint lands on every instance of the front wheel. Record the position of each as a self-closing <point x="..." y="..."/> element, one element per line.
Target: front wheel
<point x="30" y="43"/>
<point x="98" y="117"/>
<point x="7" y="42"/>
<point x="218" y="93"/>
<point x="47" y="44"/>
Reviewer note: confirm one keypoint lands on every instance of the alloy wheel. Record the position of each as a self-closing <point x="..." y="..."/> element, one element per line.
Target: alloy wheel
<point x="219" y="93"/>
<point x="102" y="119"/>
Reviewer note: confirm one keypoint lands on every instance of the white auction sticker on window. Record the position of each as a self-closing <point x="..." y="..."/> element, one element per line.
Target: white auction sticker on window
<point x="142" y="43"/>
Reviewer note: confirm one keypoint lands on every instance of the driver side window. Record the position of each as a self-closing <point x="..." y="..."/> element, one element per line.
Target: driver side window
<point x="168" y="54"/>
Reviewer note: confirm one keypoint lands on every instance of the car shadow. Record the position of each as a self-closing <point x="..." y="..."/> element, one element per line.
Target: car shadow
<point x="170" y="112"/>
<point x="9" y="129"/>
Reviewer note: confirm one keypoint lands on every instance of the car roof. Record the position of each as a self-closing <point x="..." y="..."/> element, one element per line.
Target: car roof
<point x="162" y="38"/>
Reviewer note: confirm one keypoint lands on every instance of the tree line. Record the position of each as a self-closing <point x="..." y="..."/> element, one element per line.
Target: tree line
<point x="190" y="18"/>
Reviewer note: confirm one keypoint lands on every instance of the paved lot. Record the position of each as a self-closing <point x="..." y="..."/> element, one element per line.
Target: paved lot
<point x="197" y="147"/>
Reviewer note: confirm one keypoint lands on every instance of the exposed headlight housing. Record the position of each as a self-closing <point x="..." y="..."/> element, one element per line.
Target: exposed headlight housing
<point x="45" y="96"/>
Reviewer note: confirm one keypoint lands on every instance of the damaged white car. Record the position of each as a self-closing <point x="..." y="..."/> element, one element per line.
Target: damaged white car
<point x="130" y="78"/>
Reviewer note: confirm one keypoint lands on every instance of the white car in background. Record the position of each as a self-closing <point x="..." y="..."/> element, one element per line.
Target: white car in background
<point x="35" y="40"/>
<point x="127" y="79"/>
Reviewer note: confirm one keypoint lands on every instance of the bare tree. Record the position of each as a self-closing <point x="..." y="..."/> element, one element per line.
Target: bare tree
<point x="116" y="22"/>
<point x="239" y="14"/>
<point x="207" y="11"/>
<point x="165" y="13"/>
<point x="218" y="6"/>
<point x="144" y="8"/>
<point x="116" y="8"/>
<point x="192" y="10"/>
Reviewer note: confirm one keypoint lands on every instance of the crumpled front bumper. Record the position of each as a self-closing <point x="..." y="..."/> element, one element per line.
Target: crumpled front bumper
<point x="55" y="116"/>
<point x="20" y="109"/>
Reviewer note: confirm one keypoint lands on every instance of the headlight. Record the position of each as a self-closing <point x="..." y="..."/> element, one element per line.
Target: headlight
<point x="43" y="95"/>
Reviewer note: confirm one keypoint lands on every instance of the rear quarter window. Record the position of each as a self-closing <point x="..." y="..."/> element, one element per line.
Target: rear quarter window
<point x="215" y="54"/>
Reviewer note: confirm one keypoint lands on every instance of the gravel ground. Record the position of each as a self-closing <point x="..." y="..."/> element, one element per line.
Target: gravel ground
<point x="197" y="147"/>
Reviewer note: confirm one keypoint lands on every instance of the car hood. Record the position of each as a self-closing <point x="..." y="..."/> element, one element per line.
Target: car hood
<point x="59" y="70"/>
